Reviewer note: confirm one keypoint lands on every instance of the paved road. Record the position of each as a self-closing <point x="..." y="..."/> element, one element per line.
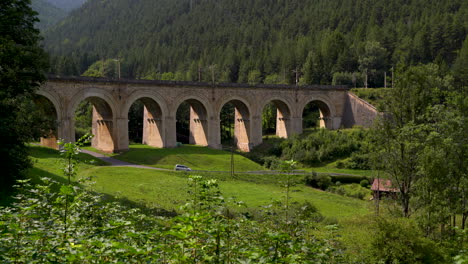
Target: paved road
<point x="119" y="163"/>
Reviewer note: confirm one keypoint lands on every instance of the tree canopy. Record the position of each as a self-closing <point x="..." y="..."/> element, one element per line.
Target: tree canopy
<point x="259" y="40"/>
<point x="22" y="66"/>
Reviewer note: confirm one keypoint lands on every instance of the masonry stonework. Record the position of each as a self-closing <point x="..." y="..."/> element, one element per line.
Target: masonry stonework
<point x="112" y="100"/>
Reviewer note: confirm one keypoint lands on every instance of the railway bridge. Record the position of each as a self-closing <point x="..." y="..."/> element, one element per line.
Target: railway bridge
<point x="112" y="99"/>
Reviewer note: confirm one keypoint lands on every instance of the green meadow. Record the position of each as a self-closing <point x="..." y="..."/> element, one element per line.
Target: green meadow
<point x="195" y="157"/>
<point x="168" y="190"/>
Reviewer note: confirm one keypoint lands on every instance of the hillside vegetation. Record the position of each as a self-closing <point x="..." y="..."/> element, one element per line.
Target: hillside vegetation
<point x="67" y="5"/>
<point x="328" y="41"/>
<point x="48" y="14"/>
<point x="168" y="190"/>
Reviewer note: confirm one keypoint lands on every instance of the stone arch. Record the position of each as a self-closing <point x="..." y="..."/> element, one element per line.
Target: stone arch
<point x="242" y="122"/>
<point x="55" y="100"/>
<point x="326" y="109"/>
<point x="283" y="116"/>
<point x="103" y="124"/>
<point x="199" y="117"/>
<point x="154" y="113"/>
<point x="53" y="112"/>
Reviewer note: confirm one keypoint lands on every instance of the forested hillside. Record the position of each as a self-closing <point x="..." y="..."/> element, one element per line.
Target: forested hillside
<point x="67" y="5"/>
<point x="255" y="41"/>
<point x="48" y="14"/>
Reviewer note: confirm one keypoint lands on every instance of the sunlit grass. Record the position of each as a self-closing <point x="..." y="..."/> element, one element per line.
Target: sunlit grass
<point x="195" y="157"/>
<point x="168" y="190"/>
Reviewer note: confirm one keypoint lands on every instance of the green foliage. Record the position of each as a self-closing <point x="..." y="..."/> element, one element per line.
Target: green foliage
<point x="354" y="79"/>
<point x="269" y="119"/>
<point x="460" y="68"/>
<point x="67" y="4"/>
<point x="400" y="241"/>
<point x="74" y="225"/>
<point x="22" y="66"/>
<point x="196" y="157"/>
<point x="364" y="183"/>
<point x="320" y="38"/>
<point x="358" y="160"/>
<point x="254" y="77"/>
<point x="272" y="79"/>
<point x="48" y="14"/>
<point x="348" y="179"/>
<point x="320" y="181"/>
<point x="227" y="123"/>
<point x="70" y="150"/>
<point x="103" y="68"/>
<point x="83" y="119"/>
<point x="372" y="61"/>
<point x="351" y="190"/>
<point x="421" y="146"/>
<point x="166" y="189"/>
<point x="375" y="96"/>
<point x="322" y="146"/>
<point x="271" y="162"/>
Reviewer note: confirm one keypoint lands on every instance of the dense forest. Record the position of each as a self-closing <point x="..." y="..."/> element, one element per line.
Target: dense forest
<point x="322" y="41"/>
<point x="48" y="14"/>
<point x="67" y="5"/>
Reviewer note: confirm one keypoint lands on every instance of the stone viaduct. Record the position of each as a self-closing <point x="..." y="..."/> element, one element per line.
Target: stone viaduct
<point x="112" y="100"/>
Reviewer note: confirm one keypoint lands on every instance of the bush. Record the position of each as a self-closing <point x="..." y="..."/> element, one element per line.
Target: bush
<point x="347" y="78"/>
<point x="351" y="190"/>
<point x="358" y="161"/>
<point x="348" y="179"/>
<point x="272" y="162"/>
<point x="400" y="241"/>
<point x="364" y="183"/>
<point x="320" y="181"/>
<point x="322" y="146"/>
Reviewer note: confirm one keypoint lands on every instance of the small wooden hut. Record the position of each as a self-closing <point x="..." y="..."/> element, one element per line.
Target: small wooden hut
<point x="383" y="188"/>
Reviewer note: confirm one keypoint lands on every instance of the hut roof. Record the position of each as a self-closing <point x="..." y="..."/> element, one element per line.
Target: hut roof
<point x="383" y="185"/>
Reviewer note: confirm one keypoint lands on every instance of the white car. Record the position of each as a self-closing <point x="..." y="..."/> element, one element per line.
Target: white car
<point x="179" y="167"/>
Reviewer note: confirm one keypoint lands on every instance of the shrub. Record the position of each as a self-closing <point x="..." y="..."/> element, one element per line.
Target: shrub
<point x="322" y="146"/>
<point x="358" y="161"/>
<point x="272" y="162"/>
<point x="347" y="178"/>
<point x="401" y="241"/>
<point x="320" y="181"/>
<point x="364" y="183"/>
<point x="347" y="78"/>
<point x="340" y="164"/>
<point x="350" y="190"/>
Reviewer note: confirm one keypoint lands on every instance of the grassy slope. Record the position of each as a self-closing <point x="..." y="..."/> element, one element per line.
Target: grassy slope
<point x="168" y="190"/>
<point x="196" y="157"/>
<point x="374" y="96"/>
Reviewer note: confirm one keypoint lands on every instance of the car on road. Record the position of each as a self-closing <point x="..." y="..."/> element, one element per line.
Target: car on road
<point x="179" y="167"/>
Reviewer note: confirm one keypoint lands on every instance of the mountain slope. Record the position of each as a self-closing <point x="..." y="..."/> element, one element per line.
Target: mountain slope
<point x="49" y="14"/>
<point x="67" y="5"/>
<point x="259" y="40"/>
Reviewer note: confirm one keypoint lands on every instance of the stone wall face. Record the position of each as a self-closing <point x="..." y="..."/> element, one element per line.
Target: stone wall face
<point x="113" y="98"/>
<point x="358" y="112"/>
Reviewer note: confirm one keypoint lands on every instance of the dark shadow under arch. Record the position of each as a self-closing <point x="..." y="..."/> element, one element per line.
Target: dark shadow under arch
<point x="102" y="126"/>
<point x="276" y="119"/>
<point x="316" y="114"/>
<point x="241" y="123"/>
<point x="145" y="122"/>
<point x="45" y="116"/>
